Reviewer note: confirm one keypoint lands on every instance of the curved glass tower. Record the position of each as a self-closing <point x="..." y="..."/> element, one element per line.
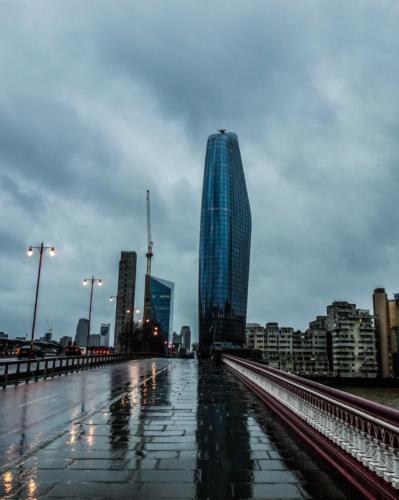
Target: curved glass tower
<point x="225" y="241"/>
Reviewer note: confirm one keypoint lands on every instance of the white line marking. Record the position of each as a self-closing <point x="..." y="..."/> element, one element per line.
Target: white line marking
<point x="36" y="400"/>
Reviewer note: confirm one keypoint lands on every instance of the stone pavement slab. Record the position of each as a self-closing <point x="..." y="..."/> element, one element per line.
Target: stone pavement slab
<point x="193" y="431"/>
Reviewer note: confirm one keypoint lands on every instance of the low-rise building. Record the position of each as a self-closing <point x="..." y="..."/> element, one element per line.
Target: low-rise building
<point x="341" y="343"/>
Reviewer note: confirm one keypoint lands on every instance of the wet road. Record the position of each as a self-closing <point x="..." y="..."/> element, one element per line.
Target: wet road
<point x="190" y="431"/>
<point x="33" y="413"/>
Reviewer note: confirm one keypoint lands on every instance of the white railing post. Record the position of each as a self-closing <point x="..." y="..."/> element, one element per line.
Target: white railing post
<point x="357" y="432"/>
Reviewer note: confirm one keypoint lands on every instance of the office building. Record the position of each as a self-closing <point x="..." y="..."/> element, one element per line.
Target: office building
<point x="225" y="240"/>
<point x="162" y="302"/>
<point x="94" y="340"/>
<point x="125" y="299"/>
<point x="82" y="332"/>
<point x="176" y="339"/>
<point x="65" y="341"/>
<point x="185" y="334"/>
<point x="3" y="335"/>
<point x="386" y="312"/>
<point x="104" y="334"/>
<point x="48" y="336"/>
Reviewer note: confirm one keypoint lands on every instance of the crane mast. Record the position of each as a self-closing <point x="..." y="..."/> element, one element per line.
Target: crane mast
<point x="149" y="255"/>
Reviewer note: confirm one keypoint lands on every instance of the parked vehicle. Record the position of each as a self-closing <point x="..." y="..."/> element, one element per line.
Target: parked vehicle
<point x="30" y="351"/>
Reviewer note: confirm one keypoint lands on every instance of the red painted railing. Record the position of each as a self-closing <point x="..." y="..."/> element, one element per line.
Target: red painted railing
<point x="357" y="437"/>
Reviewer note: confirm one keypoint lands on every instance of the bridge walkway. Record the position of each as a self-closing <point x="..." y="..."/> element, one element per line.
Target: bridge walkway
<point x="190" y="430"/>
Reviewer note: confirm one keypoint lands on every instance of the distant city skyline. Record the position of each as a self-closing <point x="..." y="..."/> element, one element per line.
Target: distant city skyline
<point x="313" y="99"/>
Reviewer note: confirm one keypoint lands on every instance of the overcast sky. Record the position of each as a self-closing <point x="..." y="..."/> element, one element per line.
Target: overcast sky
<point x="100" y="100"/>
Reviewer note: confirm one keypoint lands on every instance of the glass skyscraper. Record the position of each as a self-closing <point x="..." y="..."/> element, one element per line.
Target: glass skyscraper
<point x="162" y="297"/>
<point x="225" y="241"/>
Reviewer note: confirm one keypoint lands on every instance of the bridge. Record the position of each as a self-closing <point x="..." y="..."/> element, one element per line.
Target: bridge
<point x="170" y="428"/>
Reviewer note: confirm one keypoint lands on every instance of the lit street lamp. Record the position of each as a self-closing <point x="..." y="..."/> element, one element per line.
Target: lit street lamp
<point x="86" y="281"/>
<point x="29" y="252"/>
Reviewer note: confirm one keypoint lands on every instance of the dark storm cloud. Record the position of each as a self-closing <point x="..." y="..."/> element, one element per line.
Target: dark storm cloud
<point x="97" y="104"/>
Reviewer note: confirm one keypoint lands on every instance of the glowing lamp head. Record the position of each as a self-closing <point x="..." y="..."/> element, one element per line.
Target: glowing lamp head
<point x="128" y="311"/>
<point x="156" y="333"/>
<point x="100" y="283"/>
<point x="111" y="299"/>
<point x="52" y="251"/>
<point x="137" y="311"/>
<point x="29" y="252"/>
<point x="84" y="282"/>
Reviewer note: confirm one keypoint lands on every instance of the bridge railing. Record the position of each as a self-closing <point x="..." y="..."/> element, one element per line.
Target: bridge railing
<point x="27" y="369"/>
<point x="357" y="437"/>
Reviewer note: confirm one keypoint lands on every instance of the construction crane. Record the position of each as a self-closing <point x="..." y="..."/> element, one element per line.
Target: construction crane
<point x="149" y="255"/>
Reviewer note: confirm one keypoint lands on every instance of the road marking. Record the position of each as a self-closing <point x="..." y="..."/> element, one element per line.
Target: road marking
<point x="39" y="399"/>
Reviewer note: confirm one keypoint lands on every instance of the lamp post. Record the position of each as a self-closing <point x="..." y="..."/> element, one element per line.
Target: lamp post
<point x="99" y="282"/>
<point x="42" y="249"/>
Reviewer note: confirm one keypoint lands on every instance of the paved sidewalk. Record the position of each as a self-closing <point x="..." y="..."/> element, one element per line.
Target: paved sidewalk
<point x="193" y="431"/>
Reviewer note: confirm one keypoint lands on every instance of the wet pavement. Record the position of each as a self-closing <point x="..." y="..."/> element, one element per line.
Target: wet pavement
<point x="186" y="430"/>
<point x="35" y="412"/>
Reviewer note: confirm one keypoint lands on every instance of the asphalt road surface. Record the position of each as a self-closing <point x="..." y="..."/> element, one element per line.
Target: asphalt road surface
<point x="33" y="413"/>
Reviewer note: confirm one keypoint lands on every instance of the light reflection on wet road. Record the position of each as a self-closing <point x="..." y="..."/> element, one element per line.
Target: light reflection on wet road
<point x="32" y="413"/>
<point x="183" y="429"/>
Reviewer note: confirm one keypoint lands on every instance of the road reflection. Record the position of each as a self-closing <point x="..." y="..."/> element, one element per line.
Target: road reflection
<point x="223" y="438"/>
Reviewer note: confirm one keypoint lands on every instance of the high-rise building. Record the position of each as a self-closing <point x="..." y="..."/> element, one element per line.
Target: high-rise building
<point x="176" y="339"/>
<point x="94" y="340"/>
<point x="185" y="333"/>
<point x="225" y="240"/>
<point x="161" y="308"/>
<point x="104" y="334"/>
<point x="82" y="332"/>
<point x="125" y="299"/>
<point x="65" y="341"/>
<point x="386" y="312"/>
<point x="48" y="336"/>
<point x="351" y="340"/>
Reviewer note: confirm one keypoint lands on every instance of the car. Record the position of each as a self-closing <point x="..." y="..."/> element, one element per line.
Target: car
<point x="30" y="351"/>
<point x="72" y="350"/>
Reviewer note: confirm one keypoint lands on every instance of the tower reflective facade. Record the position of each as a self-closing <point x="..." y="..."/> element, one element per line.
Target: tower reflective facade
<point x="161" y="310"/>
<point x="225" y="241"/>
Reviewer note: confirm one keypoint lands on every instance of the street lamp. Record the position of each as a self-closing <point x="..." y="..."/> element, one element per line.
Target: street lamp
<point x="29" y="252"/>
<point x="120" y="299"/>
<point x="86" y="281"/>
